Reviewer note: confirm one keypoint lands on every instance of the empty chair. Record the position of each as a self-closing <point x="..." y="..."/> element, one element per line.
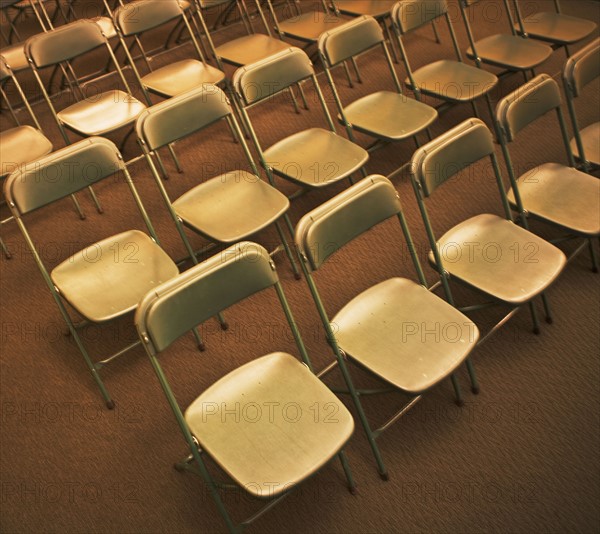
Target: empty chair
<point x="383" y="328"/>
<point x="312" y="158"/>
<point x="92" y="114"/>
<point x="581" y="69"/>
<point x="555" y="193"/>
<point x="385" y="115"/>
<point x="305" y="25"/>
<point x="105" y="280"/>
<point x="504" y="50"/>
<point x="265" y="450"/>
<point x="248" y="48"/>
<point x="226" y="208"/>
<point x="133" y="20"/>
<point x="554" y="26"/>
<point x="446" y="79"/>
<point x="22" y="143"/>
<point x="488" y="253"/>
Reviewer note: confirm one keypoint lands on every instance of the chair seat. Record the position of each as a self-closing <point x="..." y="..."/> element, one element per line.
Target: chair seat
<point x="562" y="195"/>
<point x="130" y="263"/>
<point x="511" y="52"/>
<point x="250" y="48"/>
<point x="15" y="56"/>
<point x="260" y="425"/>
<point x="20" y="145"/>
<point x="101" y="114"/>
<point x="375" y="8"/>
<point x="405" y="334"/>
<point x="590" y="137"/>
<point x="310" y="25"/>
<point x="315" y="157"/>
<point x="181" y="76"/>
<point x="500" y="258"/>
<point x="453" y="81"/>
<point x="389" y="115"/>
<point x="557" y="28"/>
<point x="231" y="207"/>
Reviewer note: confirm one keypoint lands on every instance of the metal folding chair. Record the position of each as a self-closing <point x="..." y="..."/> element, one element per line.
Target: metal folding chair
<point x="386" y="328"/>
<point x="385" y="115"/>
<point x="105" y="280"/>
<point x="554" y="193"/>
<point x="265" y="455"/>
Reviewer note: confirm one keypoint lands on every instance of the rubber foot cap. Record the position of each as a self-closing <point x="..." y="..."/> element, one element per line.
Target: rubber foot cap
<point x="110" y="404"/>
<point x="384" y="476"/>
<point x="201" y="347"/>
<point x="595" y="269"/>
<point x="475" y="391"/>
<point x="549" y="320"/>
<point x="459" y="402"/>
<point x="224" y="326"/>
<point x="297" y="276"/>
<point x="178" y="467"/>
<point x="100" y="211"/>
<point x="537" y="331"/>
<point x="353" y="490"/>
<point x="82" y="217"/>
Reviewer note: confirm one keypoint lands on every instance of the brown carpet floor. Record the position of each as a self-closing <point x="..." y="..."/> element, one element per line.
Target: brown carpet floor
<point x="520" y="457"/>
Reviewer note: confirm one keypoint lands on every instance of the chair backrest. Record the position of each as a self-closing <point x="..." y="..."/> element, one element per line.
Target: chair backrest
<point x="181" y="116"/>
<point x="582" y="67"/>
<point x="182" y="303"/>
<point x="440" y="159"/>
<point x="272" y="75"/>
<point x="529" y="102"/>
<point x="352" y="38"/>
<point x="64" y="43"/>
<point x="412" y="14"/>
<point x="143" y="15"/>
<point x="5" y="74"/>
<point x="61" y="174"/>
<point x="329" y="227"/>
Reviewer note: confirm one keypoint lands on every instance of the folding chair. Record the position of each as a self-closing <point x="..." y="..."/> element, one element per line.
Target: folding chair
<point x="305" y="25"/>
<point x="448" y="80"/>
<point x="105" y="280"/>
<point x="582" y="68"/>
<point x="507" y="51"/>
<point x="227" y="208"/>
<point x="554" y="26"/>
<point x="137" y="18"/>
<point x="99" y="114"/>
<point x="487" y="253"/>
<point x="265" y="455"/>
<point x="385" y="115"/>
<point x="382" y="328"/>
<point x="312" y="158"/>
<point x="554" y="193"/>
<point x="248" y="48"/>
<point x="22" y="143"/>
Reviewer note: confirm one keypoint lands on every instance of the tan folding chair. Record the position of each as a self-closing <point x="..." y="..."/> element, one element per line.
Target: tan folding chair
<point x="553" y="26"/>
<point x="385" y="115"/>
<point x="305" y="25"/>
<point x="488" y="253"/>
<point x="105" y="280"/>
<point x="383" y="329"/>
<point x="581" y="69"/>
<point x="312" y="158"/>
<point x="504" y="50"/>
<point x="229" y="207"/>
<point x="91" y="115"/>
<point x="450" y="80"/>
<point x="137" y="18"/>
<point x="265" y="455"/>
<point x="22" y="143"/>
<point x="248" y="48"/>
<point x="554" y="193"/>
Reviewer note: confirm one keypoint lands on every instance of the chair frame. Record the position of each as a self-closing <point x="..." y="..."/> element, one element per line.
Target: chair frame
<point x="256" y="256"/>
